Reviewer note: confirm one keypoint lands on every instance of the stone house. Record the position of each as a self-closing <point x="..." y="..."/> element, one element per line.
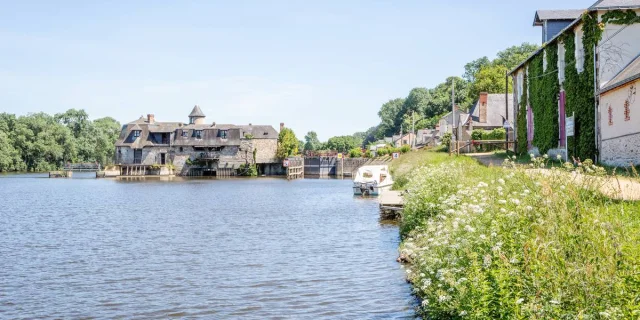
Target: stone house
<point x="620" y="120"/>
<point x="489" y="112"/>
<point x="197" y="148"/>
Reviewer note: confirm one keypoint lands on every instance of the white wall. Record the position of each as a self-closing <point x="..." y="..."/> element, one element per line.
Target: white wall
<point x="579" y="54"/>
<point x="621" y="138"/>
<point x="617" y="50"/>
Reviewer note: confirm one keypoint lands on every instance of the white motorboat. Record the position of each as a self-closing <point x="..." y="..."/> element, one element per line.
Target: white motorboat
<point x="372" y="180"/>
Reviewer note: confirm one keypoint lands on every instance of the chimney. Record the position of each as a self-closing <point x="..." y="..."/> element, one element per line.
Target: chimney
<point x="281" y="126"/>
<point x="151" y="118"/>
<point x="482" y="112"/>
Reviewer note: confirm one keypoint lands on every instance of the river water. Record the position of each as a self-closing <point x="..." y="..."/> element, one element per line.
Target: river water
<point x="196" y="248"/>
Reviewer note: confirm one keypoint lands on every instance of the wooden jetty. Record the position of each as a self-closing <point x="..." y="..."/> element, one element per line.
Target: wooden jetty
<point x="391" y="204"/>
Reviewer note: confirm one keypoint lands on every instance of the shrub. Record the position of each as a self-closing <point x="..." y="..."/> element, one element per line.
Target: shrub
<point x="355" y="153"/>
<point x="248" y="170"/>
<point x="405" y="148"/>
<point x="489" y="243"/>
<point x="382" y="152"/>
<point x="446" y="140"/>
<point x="367" y="154"/>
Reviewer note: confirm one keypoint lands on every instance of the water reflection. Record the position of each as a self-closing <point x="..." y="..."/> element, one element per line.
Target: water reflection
<point x="196" y="248"/>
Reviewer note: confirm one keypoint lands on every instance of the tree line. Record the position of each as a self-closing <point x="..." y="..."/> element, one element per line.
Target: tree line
<point x="423" y="107"/>
<point x="43" y="142"/>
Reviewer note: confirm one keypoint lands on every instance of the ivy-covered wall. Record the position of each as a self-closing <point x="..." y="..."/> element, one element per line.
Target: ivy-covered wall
<point x="521" y="128"/>
<point x="543" y="97"/>
<point x="544" y="89"/>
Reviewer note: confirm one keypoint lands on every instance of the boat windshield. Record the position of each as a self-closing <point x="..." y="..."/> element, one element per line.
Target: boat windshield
<point x="367" y="174"/>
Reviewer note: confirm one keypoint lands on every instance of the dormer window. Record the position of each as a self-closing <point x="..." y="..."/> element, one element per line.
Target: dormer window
<point x="136" y="133"/>
<point x="223" y="134"/>
<point x="198" y="134"/>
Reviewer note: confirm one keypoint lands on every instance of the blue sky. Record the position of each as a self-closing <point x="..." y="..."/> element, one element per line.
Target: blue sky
<point x="326" y="66"/>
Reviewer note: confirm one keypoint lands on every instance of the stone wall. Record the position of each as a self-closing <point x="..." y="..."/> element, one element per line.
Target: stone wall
<point x="621" y="151"/>
<point x="267" y="149"/>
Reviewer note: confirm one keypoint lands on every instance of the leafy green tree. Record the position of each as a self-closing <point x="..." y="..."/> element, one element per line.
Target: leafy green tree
<point x="287" y="143"/>
<point x="355" y="153"/>
<point x="440" y="102"/>
<point x="490" y="79"/>
<point x="512" y="56"/>
<point x="391" y="116"/>
<point x="471" y="68"/>
<point x="312" y="142"/>
<point x="343" y="143"/>
<point x="417" y="101"/>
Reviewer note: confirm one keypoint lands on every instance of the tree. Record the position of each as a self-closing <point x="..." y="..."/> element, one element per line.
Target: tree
<point x="417" y="101"/>
<point x="287" y="143"/>
<point x="343" y="143"/>
<point x="512" y="56"/>
<point x="490" y="79"/>
<point x="471" y="68"/>
<point x="391" y="116"/>
<point x="440" y="102"/>
<point x="312" y="143"/>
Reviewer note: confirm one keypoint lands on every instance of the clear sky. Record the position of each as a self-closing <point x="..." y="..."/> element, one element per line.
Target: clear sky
<point x="326" y="66"/>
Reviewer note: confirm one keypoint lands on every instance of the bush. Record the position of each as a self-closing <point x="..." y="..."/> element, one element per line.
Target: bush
<point x="405" y="149"/>
<point x="489" y="243"/>
<point x="248" y="170"/>
<point x="368" y="154"/>
<point x="382" y="152"/>
<point x="355" y="153"/>
<point x="446" y="140"/>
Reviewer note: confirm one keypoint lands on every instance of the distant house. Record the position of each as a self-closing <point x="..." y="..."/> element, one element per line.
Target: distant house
<point x="405" y="139"/>
<point x="427" y="137"/>
<point x="553" y="21"/>
<point x="447" y="124"/>
<point x="490" y="111"/>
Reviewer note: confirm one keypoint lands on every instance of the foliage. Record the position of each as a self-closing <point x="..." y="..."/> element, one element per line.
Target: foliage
<point x="382" y="152"/>
<point x="355" y="153"/>
<point x="521" y="122"/>
<point x="287" y="143"/>
<point x="248" y="170"/>
<point x="544" y="98"/>
<point x="490" y="79"/>
<point x="440" y="102"/>
<point x="391" y="117"/>
<point x="579" y="90"/>
<point x="248" y="136"/>
<point x="446" y="140"/>
<point x="312" y="143"/>
<point x="343" y="143"/>
<point x="514" y="55"/>
<point x="493" y="243"/>
<point x="41" y="142"/>
<point x="620" y="17"/>
<point x="472" y="68"/>
<point x="417" y="101"/>
<point x="368" y="154"/>
<point x="495" y="134"/>
<point x="405" y="148"/>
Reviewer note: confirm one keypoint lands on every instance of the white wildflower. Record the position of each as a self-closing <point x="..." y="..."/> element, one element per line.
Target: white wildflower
<point x="554" y="302"/>
<point x="559" y="157"/>
<point x="529" y="208"/>
<point x="500" y="181"/>
<point x="515" y="201"/>
<point x="519" y="301"/>
<point x="463" y="313"/>
<point x="502" y="201"/>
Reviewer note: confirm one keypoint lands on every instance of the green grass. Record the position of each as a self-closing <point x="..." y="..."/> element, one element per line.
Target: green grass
<point x="495" y="243"/>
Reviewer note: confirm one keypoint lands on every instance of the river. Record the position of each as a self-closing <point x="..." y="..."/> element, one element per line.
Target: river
<point x="196" y="248"/>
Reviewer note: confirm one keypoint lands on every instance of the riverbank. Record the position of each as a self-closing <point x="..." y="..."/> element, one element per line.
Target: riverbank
<point x="486" y="242"/>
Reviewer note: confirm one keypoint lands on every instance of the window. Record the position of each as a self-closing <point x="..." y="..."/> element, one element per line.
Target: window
<point x="137" y="156"/>
<point x="223" y="134"/>
<point x="181" y="149"/>
<point x="136" y="133"/>
<point x="198" y="134"/>
<point x="185" y="133"/>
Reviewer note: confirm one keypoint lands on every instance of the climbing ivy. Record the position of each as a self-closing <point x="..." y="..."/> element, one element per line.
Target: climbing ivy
<point x="620" y="17"/>
<point x="521" y="127"/>
<point x="544" y="98"/>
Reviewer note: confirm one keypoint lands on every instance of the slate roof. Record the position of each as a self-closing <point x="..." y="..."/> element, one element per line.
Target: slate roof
<point x="210" y="136"/>
<point x="628" y="74"/>
<point x="615" y="4"/>
<point x="495" y="111"/>
<point x="599" y="5"/>
<point x="197" y="112"/>
<point x="542" y="15"/>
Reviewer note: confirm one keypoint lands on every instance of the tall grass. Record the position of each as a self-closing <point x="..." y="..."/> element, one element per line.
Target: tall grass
<point x="494" y="243"/>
